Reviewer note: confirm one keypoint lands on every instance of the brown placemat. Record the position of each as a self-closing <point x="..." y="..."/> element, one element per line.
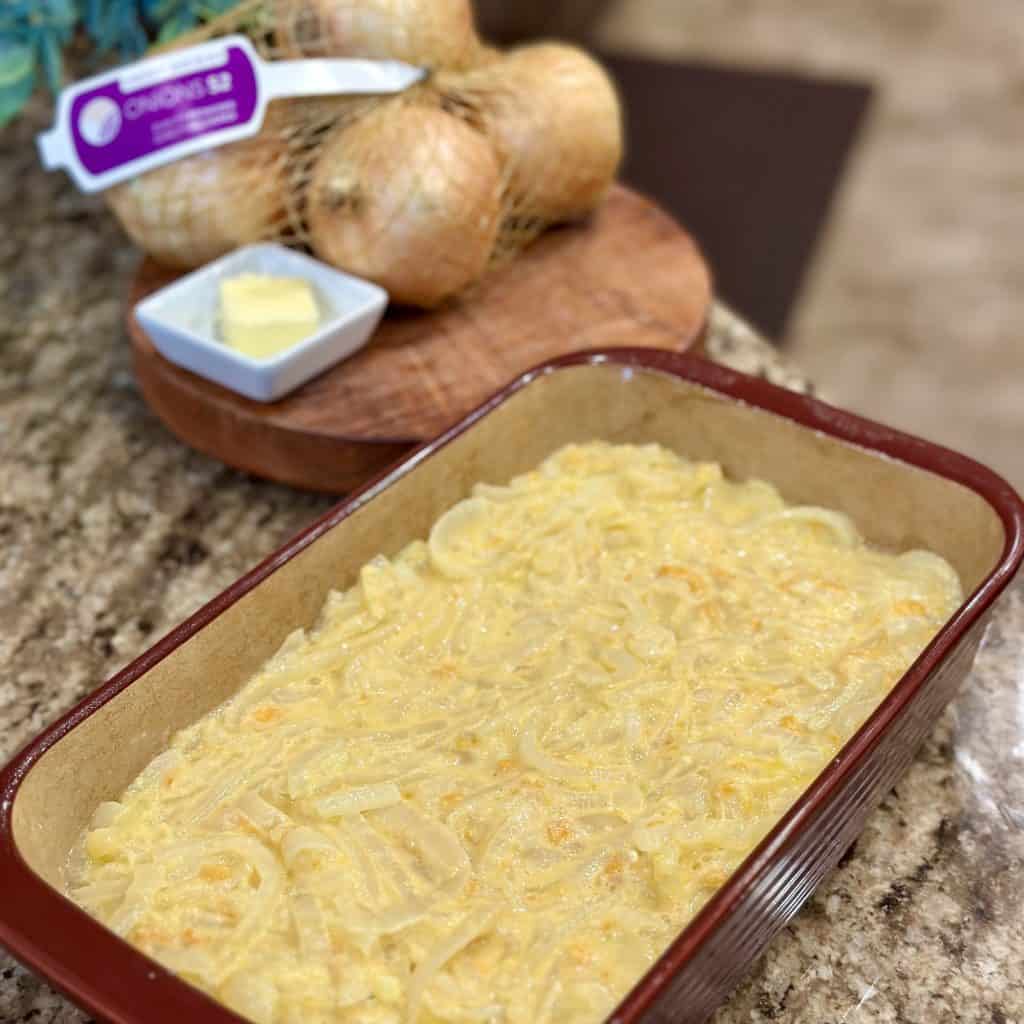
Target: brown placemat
<point x="749" y="161"/>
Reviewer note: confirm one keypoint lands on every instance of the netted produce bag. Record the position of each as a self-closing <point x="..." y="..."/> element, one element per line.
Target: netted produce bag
<point x="423" y="191"/>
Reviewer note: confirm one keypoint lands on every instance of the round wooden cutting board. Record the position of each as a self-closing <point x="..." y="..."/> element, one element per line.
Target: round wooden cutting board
<point x="630" y="276"/>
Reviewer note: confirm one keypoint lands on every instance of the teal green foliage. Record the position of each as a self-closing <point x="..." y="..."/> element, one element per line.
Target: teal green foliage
<point x="35" y="33"/>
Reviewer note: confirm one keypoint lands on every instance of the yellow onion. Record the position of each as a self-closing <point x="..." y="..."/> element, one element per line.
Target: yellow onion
<point x="428" y="33"/>
<point x="553" y="114"/>
<point x="410" y="197"/>
<point x="196" y="209"/>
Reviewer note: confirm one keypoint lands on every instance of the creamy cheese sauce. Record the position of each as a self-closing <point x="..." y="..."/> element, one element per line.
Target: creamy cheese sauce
<point x="506" y="768"/>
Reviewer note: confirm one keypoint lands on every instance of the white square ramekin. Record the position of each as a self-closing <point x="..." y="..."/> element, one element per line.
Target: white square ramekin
<point x="181" y="319"/>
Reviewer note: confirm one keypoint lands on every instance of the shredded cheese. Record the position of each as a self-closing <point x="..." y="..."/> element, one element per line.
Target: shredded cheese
<point x="505" y="768"/>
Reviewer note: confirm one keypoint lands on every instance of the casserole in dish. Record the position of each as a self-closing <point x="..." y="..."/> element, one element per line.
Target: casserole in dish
<point x="901" y="493"/>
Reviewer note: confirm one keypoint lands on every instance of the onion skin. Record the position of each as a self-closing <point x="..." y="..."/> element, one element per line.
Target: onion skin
<point x="554" y="117"/>
<point x="427" y="33"/>
<point x="409" y="197"/>
<point x="193" y="210"/>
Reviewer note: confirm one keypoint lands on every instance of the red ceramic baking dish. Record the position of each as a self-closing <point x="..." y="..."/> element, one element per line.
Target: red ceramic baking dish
<point x="902" y="492"/>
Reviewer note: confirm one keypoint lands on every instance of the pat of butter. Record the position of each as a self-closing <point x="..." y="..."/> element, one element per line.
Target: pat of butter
<point x="263" y="315"/>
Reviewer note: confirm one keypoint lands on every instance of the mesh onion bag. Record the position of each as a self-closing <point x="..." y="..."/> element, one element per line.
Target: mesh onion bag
<point x="423" y="191"/>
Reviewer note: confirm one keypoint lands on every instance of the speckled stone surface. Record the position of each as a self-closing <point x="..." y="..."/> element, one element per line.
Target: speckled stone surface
<point x="111" y="532"/>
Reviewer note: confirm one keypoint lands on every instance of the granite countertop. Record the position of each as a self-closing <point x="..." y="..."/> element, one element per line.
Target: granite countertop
<point x="111" y="532"/>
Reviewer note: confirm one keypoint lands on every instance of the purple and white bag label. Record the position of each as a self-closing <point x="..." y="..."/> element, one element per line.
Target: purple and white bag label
<point x="125" y="122"/>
